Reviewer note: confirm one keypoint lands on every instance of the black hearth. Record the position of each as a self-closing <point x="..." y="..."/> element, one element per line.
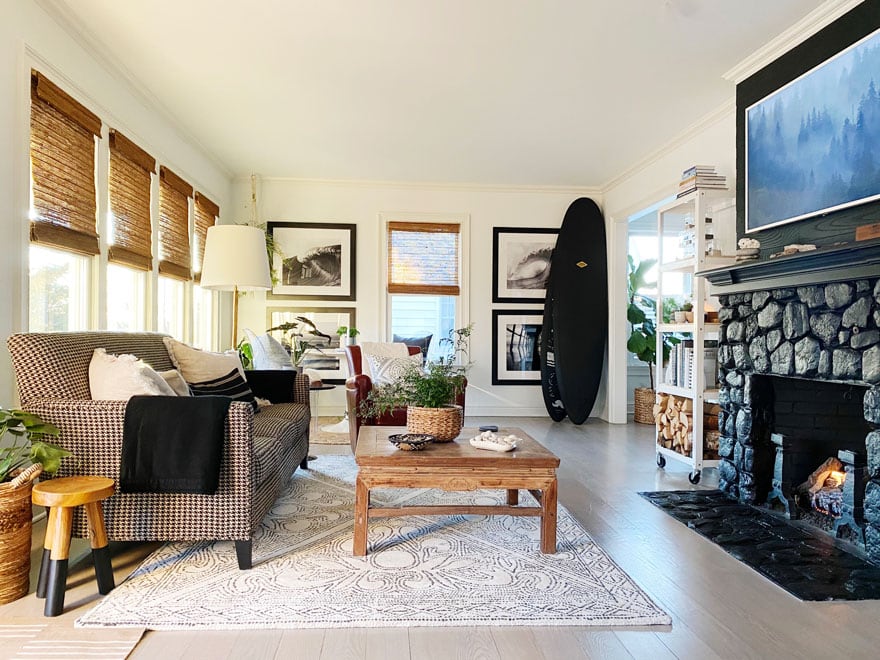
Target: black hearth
<point x="803" y="363"/>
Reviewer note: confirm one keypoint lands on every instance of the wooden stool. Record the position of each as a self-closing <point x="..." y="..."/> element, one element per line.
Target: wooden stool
<point x="61" y="496"/>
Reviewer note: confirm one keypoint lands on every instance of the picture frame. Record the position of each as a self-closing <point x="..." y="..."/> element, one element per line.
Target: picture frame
<point x="515" y="339"/>
<point x="317" y="261"/>
<point x="521" y="263"/>
<point x="329" y="359"/>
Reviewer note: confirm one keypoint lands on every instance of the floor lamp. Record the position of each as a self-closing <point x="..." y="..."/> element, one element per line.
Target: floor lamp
<point x="235" y="260"/>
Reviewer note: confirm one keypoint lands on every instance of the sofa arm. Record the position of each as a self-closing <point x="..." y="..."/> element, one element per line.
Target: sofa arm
<point x="92" y="431"/>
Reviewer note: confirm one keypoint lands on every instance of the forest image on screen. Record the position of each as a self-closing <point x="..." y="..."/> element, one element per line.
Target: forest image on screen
<point x="814" y="145"/>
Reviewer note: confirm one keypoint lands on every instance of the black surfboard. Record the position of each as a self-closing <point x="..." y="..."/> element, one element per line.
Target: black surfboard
<point x="579" y="311"/>
<point x="549" y="382"/>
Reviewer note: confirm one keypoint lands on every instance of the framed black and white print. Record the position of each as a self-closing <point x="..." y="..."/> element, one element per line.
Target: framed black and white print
<point x="515" y="340"/>
<point x="316" y="260"/>
<point x="521" y="263"/>
<point x="324" y="354"/>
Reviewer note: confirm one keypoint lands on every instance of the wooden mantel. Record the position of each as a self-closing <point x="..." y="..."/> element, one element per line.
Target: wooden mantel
<point x="851" y="261"/>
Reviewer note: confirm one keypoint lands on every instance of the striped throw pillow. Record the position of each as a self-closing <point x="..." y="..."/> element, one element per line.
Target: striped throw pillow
<point x="231" y="385"/>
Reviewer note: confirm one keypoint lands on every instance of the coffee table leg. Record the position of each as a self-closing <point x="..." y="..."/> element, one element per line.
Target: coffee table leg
<point x="512" y="496"/>
<point x="361" y="504"/>
<point x="548" y="519"/>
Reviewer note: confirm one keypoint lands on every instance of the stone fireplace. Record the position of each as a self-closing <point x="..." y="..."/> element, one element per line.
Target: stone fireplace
<point x="799" y="368"/>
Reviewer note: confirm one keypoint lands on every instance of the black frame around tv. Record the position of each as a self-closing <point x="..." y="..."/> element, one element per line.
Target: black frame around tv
<point x="808" y="127"/>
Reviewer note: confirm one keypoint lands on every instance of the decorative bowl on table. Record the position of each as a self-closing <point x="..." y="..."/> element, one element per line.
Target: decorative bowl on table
<point x="411" y="441"/>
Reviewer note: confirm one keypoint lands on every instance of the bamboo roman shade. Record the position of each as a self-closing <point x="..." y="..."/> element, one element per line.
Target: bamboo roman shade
<point x="423" y="257"/>
<point x="62" y="150"/>
<point x="175" y="259"/>
<point x="206" y="213"/>
<point x="130" y="179"/>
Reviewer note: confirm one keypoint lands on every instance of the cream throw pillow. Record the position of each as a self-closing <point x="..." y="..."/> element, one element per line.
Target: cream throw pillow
<point x="268" y="352"/>
<point x="388" y="370"/>
<point x="380" y="349"/>
<point x="197" y="366"/>
<point x="120" y="377"/>
<point x="176" y="382"/>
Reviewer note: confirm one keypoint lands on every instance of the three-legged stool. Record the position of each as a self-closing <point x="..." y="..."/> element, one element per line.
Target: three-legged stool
<point x="61" y="496"/>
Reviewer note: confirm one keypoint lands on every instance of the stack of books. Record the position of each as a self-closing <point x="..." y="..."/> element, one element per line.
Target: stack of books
<point x="680" y="367"/>
<point x="701" y="176"/>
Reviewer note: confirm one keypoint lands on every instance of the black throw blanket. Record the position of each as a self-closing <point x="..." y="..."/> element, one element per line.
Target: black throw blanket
<point x="173" y="444"/>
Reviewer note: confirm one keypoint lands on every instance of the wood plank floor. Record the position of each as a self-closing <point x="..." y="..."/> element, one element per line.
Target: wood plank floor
<point x="720" y="608"/>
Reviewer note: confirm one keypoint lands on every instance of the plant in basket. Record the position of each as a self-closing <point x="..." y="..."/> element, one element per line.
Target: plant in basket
<point x="23" y="455"/>
<point x="429" y="392"/>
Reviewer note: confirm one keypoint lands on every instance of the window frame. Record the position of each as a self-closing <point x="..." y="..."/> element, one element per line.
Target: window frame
<point x="462" y="304"/>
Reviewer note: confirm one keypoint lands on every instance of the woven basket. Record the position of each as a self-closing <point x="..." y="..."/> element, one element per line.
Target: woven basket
<point x="644" y="398"/>
<point x="443" y="423"/>
<point x="15" y="534"/>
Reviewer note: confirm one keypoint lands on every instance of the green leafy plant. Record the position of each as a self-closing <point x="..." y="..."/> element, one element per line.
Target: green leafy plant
<point x="27" y="447"/>
<point x="345" y="331"/>
<point x="245" y="353"/>
<point x="642" y="340"/>
<point x="687" y="306"/>
<point x="296" y="341"/>
<point x="433" y="386"/>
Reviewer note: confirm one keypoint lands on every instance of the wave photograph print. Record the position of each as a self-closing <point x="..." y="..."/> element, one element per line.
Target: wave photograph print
<point x="521" y="263"/>
<point x="813" y="146"/>
<point x="313" y="260"/>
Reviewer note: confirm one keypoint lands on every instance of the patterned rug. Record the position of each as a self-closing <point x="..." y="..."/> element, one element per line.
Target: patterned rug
<point x="319" y="436"/>
<point x="420" y="571"/>
<point x="22" y="638"/>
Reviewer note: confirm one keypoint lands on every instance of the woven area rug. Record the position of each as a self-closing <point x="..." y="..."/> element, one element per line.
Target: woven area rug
<point x="318" y="436"/>
<point x="22" y="638"/>
<point x="420" y="571"/>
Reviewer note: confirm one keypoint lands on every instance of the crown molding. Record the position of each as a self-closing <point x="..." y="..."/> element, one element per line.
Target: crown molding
<point x="86" y="39"/>
<point x="821" y="17"/>
<point x="718" y="114"/>
<point x="430" y="185"/>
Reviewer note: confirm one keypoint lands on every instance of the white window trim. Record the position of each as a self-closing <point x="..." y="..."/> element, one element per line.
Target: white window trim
<point x="462" y="303"/>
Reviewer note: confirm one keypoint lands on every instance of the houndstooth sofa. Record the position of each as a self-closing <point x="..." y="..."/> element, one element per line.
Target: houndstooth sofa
<point x="261" y="452"/>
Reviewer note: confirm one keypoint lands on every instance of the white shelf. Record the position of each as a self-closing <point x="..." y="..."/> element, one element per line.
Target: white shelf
<point x="690" y="213"/>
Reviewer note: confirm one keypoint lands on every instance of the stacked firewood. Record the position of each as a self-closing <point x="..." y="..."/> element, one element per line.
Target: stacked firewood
<point x="674" y="417"/>
<point x="675" y="422"/>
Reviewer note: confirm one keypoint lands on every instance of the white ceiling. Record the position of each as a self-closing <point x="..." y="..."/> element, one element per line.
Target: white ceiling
<point x="518" y="92"/>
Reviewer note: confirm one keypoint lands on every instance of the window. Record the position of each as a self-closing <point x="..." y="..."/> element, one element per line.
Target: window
<point x="63" y="209"/>
<point x="424" y="281"/>
<point x="171" y="294"/>
<point x="126" y="298"/>
<point x="73" y="174"/>
<point x="59" y="287"/>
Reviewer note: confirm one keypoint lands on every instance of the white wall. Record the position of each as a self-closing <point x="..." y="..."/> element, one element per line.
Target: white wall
<point x="30" y="38"/>
<point x="361" y="203"/>
<point x="713" y="142"/>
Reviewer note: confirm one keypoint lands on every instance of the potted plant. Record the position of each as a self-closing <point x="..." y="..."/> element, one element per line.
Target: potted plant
<point x="429" y="392"/>
<point x="297" y="343"/>
<point x="22" y="457"/>
<point x="350" y="334"/>
<point x="642" y="341"/>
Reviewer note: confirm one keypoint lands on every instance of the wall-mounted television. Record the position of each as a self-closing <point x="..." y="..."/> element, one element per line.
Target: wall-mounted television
<point x="813" y="145"/>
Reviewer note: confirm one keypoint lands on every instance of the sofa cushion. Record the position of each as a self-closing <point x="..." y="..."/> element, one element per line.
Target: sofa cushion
<point x="267" y="352"/>
<point x="197" y="366"/>
<point x="120" y="377"/>
<point x="176" y="382"/>
<point x="289" y="422"/>
<point x="267" y="457"/>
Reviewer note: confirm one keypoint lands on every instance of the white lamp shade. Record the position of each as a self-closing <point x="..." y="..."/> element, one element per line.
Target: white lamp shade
<point x="235" y="256"/>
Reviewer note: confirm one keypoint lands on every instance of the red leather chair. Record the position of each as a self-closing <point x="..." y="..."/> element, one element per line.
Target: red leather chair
<point x="358" y="387"/>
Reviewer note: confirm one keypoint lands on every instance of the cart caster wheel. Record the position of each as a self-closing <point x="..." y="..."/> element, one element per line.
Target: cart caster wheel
<point x="694" y="477"/>
<point x="661" y="460"/>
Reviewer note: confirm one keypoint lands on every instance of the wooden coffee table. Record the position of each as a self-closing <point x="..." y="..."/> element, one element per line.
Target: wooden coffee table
<point x="454" y="466"/>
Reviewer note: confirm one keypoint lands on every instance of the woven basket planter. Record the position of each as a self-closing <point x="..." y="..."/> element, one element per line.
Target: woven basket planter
<point x="443" y="423"/>
<point x="643" y="412"/>
<point x="15" y="535"/>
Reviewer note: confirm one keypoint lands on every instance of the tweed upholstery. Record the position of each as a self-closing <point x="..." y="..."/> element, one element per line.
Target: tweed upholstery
<point x="260" y="453"/>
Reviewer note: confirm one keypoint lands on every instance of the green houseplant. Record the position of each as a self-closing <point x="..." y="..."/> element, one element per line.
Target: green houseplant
<point x="350" y="334"/>
<point x="429" y="392"/>
<point x="642" y="341"/>
<point x="23" y="454"/>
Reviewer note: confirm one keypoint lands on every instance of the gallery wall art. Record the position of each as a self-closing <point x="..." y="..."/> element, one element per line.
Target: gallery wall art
<point x="317" y="260"/>
<point x="515" y="341"/>
<point x="521" y="263"/>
